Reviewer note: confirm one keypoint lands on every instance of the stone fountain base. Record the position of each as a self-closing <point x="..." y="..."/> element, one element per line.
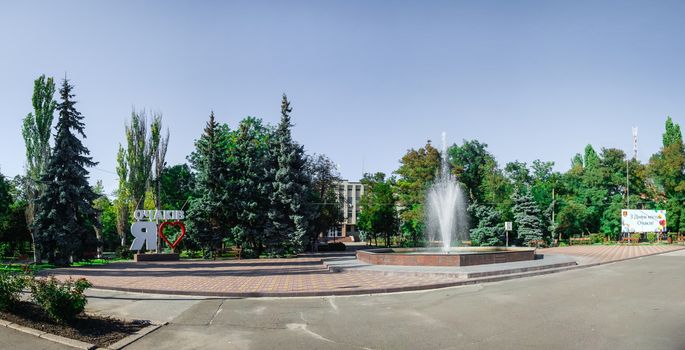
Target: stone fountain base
<point x="462" y="256"/>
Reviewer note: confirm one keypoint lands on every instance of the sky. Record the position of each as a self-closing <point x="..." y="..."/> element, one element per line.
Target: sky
<point x="367" y="80"/>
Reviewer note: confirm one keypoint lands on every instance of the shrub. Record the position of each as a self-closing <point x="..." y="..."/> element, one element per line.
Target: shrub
<point x="635" y="236"/>
<point x="63" y="301"/>
<point x="333" y="247"/>
<point x="596" y="238"/>
<point x="651" y="237"/>
<point x="124" y="253"/>
<point x="11" y="285"/>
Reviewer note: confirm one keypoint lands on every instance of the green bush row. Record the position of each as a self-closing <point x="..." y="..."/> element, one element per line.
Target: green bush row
<point x="62" y="301"/>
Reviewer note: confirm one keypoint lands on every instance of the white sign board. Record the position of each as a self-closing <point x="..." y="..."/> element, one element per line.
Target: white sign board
<point x="643" y="220"/>
<point x="508" y="226"/>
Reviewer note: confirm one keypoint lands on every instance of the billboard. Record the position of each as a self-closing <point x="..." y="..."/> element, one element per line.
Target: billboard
<point x="643" y="220"/>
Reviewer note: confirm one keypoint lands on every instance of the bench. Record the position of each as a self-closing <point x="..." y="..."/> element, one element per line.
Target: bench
<point x="537" y="243"/>
<point x="579" y="240"/>
<point x="633" y="240"/>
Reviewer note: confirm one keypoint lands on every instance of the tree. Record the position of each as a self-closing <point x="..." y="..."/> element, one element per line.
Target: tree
<point x="526" y="217"/>
<point x="123" y="201"/>
<point x="289" y="208"/>
<point x="490" y="230"/>
<point x="672" y="135"/>
<point x="177" y="187"/>
<point x="378" y="214"/>
<point x="207" y="223"/>
<point x="36" y="133"/>
<point x="329" y="211"/>
<point x="66" y="215"/>
<point x="251" y="184"/>
<point x="417" y="172"/>
<point x="160" y="154"/>
<point x="141" y="152"/>
<point x="470" y="163"/>
<point x="14" y="231"/>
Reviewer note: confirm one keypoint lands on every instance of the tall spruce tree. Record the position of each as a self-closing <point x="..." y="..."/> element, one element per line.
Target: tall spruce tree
<point x="526" y="216"/>
<point x="251" y="183"/>
<point x="490" y="231"/>
<point x="207" y="223"/>
<point x="289" y="208"/>
<point x="66" y="215"/>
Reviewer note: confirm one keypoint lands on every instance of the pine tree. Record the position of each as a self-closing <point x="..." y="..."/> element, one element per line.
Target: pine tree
<point x="526" y="216"/>
<point x="207" y="223"/>
<point x="489" y="231"/>
<point x="289" y="209"/>
<point x="66" y="214"/>
<point x="251" y="183"/>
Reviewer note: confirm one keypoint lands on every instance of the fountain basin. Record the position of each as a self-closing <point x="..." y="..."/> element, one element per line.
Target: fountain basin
<point x="458" y="256"/>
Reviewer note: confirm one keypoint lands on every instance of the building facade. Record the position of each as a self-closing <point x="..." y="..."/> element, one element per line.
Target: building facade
<point x="349" y="194"/>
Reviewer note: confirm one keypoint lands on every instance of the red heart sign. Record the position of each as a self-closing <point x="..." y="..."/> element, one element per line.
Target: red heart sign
<point x="160" y="232"/>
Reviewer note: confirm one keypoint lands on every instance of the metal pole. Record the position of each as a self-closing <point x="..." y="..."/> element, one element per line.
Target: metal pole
<point x="627" y="192"/>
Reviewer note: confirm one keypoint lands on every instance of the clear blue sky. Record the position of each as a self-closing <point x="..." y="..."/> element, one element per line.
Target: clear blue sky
<point x="367" y="79"/>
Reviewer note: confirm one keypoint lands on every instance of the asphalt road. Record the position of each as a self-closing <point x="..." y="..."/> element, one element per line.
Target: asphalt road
<point x="636" y="304"/>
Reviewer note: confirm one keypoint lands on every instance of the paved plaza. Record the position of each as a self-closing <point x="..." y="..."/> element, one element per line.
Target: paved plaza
<point x="310" y="276"/>
<point x="633" y="304"/>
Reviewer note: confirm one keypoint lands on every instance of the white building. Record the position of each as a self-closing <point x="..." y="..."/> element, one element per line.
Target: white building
<point x="349" y="194"/>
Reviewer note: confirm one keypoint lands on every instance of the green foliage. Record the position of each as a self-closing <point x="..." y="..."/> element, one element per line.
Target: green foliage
<point x="490" y="228"/>
<point x="378" y="215"/>
<point x="329" y="210"/>
<point x="36" y="129"/>
<point x="63" y="301"/>
<point x="672" y="135"/>
<point x="290" y="209"/>
<point x="66" y="216"/>
<point x="207" y="213"/>
<point x="470" y="163"/>
<point x="526" y="217"/>
<point x="140" y="153"/>
<point x="177" y="186"/>
<point x="251" y="182"/>
<point x="651" y="237"/>
<point x="11" y="286"/>
<point x="417" y="172"/>
<point x="596" y="238"/>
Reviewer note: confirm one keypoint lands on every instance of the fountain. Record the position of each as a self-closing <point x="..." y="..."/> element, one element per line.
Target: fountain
<point x="446" y="206"/>
<point x="447" y="221"/>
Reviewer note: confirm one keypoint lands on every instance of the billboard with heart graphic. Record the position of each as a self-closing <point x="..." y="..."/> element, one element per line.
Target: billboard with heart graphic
<point x="145" y="230"/>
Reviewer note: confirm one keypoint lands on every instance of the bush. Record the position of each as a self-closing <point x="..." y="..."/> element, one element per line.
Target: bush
<point x="333" y="247"/>
<point x="124" y="253"/>
<point x="11" y="285"/>
<point x="635" y="236"/>
<point x="596" y="238"/>
<point x="651" y="237"/>
<point x="63" y="301"/>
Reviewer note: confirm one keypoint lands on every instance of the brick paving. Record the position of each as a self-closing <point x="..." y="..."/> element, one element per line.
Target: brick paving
<point x="295" y="277"/>
<point x="243" y="278"/>
<point x="593" y="254"/>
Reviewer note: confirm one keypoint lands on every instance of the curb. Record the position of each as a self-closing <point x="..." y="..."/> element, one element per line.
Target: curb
<point x="135" y="336"/>
<point x="81" y="344"/>
<point x="48" y="336"/>
<point x="483" y="279"/>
